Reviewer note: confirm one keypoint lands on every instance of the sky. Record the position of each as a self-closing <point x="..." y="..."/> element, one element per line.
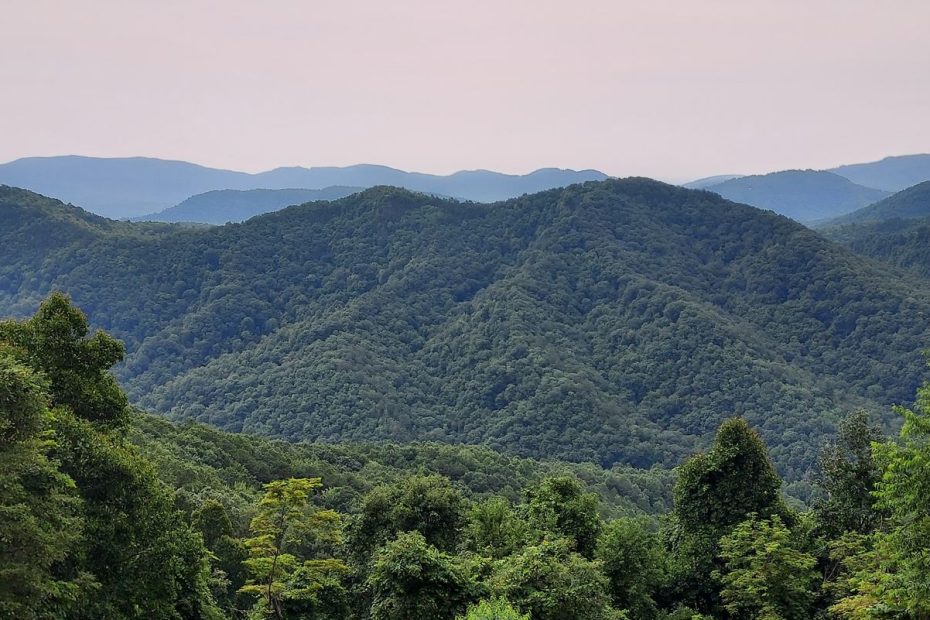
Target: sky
<point x="672" y="90"/>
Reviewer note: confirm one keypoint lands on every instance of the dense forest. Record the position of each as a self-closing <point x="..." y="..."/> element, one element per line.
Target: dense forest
<point x="911" y="203"/>
<point x="108" y="513"/>
<point x="611" y="322"/>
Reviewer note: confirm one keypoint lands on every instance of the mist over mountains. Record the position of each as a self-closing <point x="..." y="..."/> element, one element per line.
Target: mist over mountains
<point x="137" y="186"/>
<point x="161" y="190"/>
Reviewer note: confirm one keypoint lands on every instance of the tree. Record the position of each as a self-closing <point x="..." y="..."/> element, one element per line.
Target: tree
<point x="282" y="523"/>
<point x="559" y="505"/>
<point x="848" y="476"/>
<point x="143" y="555"/>
<point x="137" y="556"/>
<point x="412" y="580"/>
<point x="493" y="609"/>
<point x="227" y="552"/>
<point x="714" y="492"/>
<point x="429" y="505"/>
<point x="494" y="528"/>
<point x="631" y="558"/>
<point x="40" y="524"/>
<point x="552" y="582"/>
<point x="765" y="576"/>
<point x="55" y="342"/>
<point x="720" y="488"/>
<point x="904" y="548"/>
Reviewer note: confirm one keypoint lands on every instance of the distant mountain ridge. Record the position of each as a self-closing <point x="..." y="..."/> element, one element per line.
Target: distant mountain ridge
<point x="222" y="206"/>
<point x="891" y="174"/>
<point x="804" y="195"/>
<point x="135" y="186"/>
<point x="908" y="204"/>
<point x="717" y="179"/>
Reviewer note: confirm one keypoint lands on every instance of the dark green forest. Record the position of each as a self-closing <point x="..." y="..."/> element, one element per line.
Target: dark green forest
<point x="109" y="513"/>
<point x="616" y="322"/>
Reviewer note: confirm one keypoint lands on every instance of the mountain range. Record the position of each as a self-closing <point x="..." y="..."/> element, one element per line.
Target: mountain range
<point x="137" y="186"/>
<point x="804" y="195"/>
<point x="222" y="206"/>
<point x="615" y="322"/>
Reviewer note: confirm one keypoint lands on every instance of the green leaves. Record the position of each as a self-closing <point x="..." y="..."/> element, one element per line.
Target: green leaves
<point x="412" y="580"/>
<point x="765" y="575"/>
<point x="280" y="528"/>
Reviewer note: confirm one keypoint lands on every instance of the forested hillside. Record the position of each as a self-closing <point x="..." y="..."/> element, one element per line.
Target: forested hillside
<point x="107" y="513"/>
<point x="612" y="322"/>
<point x="911" y="203"/>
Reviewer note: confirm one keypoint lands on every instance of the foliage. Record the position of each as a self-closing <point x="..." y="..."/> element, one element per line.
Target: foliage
<point x="493" y="609"/>
<point x="632" y="558"/>
<point x="280" y="526"/>
<point x="550" y="581"/>
<point x="39" y="524"/>
<point x="559" y="505"/>
<point x="765" y="575"/>
<point x="135" y="556"/>
<point x="55" y="343"/>
<point x="494" y="528"/>
<point x="611" y="322"/>
<point x="848" y="477"/>
<point x="714" y="492"/>
<point x="903" y="492"/>
<point x="412" y="580"/>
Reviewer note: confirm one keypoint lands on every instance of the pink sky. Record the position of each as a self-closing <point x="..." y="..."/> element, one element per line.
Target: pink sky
<point x="673" y="90"/>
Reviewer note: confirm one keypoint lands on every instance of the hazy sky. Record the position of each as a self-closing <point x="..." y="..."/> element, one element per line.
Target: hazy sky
<point x="673" y="90"/>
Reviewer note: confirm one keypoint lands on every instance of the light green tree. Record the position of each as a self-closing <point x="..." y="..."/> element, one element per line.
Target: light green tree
<point x="493" y="609"/>
<point x="550" y="581"/>
<point x="283" y="522"/>
<point x="765" y="575"/>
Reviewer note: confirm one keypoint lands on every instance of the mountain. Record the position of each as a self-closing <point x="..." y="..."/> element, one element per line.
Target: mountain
<point x="892" y="174"/>
<point x="911" y="203"/>
<point x="804" y="195"/>
<point x="706" y="182"/>
<point x="895" y="230"/>
<point x="613" y="322"/>
<point x="138" y="186"/>
<point x="222" y="206"/>
<point x="117" y="187"/>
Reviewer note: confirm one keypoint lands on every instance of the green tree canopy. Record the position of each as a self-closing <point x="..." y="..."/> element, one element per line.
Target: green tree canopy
<point x="412" y="580"/>
<point x="765" y="575"/>
<point x="560" y="505"/>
